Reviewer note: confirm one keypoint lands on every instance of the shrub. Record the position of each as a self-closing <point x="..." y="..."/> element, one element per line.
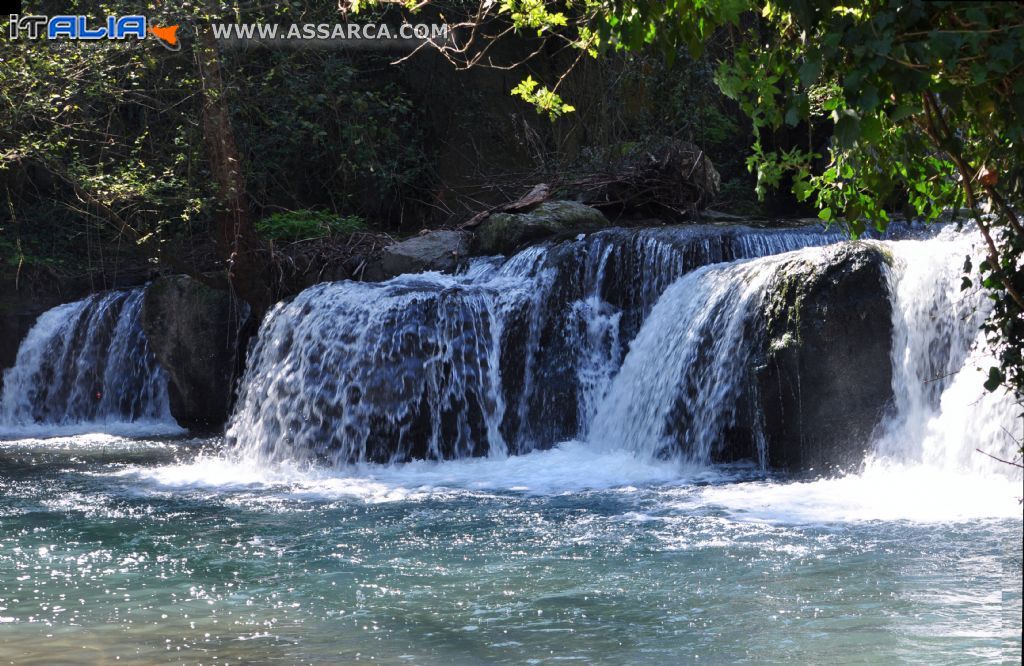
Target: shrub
<point x="302" y="225"/>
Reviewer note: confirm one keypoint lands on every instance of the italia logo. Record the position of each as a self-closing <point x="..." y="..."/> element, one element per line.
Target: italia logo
<point x="78" y="27"/>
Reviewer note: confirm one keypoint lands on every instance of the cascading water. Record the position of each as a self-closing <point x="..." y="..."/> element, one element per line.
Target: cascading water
<point x="687" y="365"/>
<point x="86" y="362"/>
<point x="503" y="359"/>
<point x="943" y="415"/>
<point x="690" y="363"/>
<point x="521" y="355"/>
<point x="591" y="551"/>
<point x="405" y="369"/>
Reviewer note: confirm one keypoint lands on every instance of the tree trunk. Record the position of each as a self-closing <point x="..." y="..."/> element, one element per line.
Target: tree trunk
<point x="234" y="231"/>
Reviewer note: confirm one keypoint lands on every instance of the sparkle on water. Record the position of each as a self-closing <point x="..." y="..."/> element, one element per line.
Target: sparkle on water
<point x="164" y="550"/>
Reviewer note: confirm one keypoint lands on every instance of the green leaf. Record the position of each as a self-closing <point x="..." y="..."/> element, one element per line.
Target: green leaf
<point x="871" y="129"/>
<point x="826" y="214"/>
<point x="902" y="112"/>
<point x="802" y="190"/>
<point x="810" y="71"/>
<point x="729" y="84"/>
<point x="979" y="73"/>
<point x="792" y="116"/>
<point x="995" y="379"/>
<point x="847" y="128"/>
<point x="868" y="98"/>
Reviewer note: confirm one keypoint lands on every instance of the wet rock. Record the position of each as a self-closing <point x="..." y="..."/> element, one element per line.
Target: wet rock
<point x="194" y="333"/>
<point x="503" y="233"/>
<point x="823" y="373"/>
<point x="433" y="251"/>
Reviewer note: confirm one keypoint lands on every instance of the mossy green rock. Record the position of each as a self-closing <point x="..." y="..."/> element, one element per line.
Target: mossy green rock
<point x="439" y="251"/>
<point x="504" y="233"/>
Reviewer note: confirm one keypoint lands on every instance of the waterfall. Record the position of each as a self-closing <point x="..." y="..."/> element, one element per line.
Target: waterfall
<point x="408" y="368"/>
<point x="86" y="362"/>
<point x="650" y="341"/>
<point x="639" y="340"/>
<point x="504" y="358"/>
<point x="943" y="414"/>
<point x="681" y="384"/>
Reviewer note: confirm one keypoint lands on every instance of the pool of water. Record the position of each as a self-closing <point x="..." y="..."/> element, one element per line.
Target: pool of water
<point x="162" y="550"/>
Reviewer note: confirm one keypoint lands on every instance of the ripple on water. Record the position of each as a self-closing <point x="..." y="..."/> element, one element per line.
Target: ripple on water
<point x="164" y="552"/>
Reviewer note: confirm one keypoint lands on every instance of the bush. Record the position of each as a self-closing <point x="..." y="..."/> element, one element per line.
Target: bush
<point x="302" y="225"/>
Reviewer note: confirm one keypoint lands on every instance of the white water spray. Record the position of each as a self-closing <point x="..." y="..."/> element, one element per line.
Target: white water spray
<point x="943" y="415"/>
<point x="680" y="384"/>
<point x="410" y="368"/>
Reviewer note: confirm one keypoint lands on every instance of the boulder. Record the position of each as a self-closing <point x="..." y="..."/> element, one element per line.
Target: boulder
<point x="432" y="251"/>
<point x="504" y="233"/>
<point x="824" y="370"/>
<point x="194" y="332"/>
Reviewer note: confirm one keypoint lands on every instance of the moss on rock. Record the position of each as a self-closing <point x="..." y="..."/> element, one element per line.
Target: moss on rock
<point x="504" y="233"/>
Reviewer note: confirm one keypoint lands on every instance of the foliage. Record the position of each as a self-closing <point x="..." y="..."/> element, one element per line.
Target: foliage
<point x="307" y="225"/>
<point x="682" y="95"/>
<point x="926" y="102"/>
<point x="319" y="128"/>
<point x="103" y="143"/>
<point x="80" y="128"/>
<point x="546" y="100"/>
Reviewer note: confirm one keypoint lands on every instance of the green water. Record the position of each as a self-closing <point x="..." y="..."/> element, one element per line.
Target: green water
<point x="161" y="551"/>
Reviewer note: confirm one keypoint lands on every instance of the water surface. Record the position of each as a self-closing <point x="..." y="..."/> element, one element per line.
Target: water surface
<point x="164" y="551"/>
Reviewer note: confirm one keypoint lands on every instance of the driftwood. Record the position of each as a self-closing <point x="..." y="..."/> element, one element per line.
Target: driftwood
<point x="667" y="176"/>
<point x="536" y="196"/>
<point x="300" y="264"/>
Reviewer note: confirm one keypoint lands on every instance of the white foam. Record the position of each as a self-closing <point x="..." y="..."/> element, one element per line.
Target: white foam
<point x="885" y="491"/>
<point x="570" y="467"/>
<point x="86" y="432"/>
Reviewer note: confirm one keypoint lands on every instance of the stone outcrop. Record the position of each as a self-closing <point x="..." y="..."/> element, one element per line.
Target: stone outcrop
<point x="194" y="333"/>
<point x="824" y="372"/>
<point x="504" y="233"/>
<point x="433" y="251"/>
